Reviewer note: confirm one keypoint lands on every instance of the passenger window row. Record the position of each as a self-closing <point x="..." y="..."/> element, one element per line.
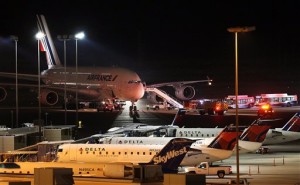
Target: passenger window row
<point x="119" y="153"/>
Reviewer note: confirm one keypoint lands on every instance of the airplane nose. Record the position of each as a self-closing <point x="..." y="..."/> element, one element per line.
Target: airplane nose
<point x="141" y="91"/>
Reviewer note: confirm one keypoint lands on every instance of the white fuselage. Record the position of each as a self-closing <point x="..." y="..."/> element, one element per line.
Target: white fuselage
<point x="207" y="154"/>
<point x="278" y="136"/>
<point x="274" y="136"/>
<point x="199" y="144"/>
<point x="97" y="83"/>
<point x="142" y="153"/>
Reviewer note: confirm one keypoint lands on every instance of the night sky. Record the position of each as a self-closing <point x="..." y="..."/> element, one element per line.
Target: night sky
<point x="167" y="41"/>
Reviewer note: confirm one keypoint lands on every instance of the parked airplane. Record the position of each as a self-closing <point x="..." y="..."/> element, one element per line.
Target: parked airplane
<point x="250" y="140"/>
<point x="289" y="132"/>
<point x="169" y="155"/>
<point x="92" y="84"/>
<point x="221" y="148"/>
<point x="139" y="129"/>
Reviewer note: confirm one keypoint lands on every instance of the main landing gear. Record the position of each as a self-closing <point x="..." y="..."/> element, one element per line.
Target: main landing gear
<point x="133" y="113"/>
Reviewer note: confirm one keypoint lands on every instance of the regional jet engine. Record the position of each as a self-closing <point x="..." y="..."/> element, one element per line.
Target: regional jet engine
<point x="185" y="92"/>
<point x="49" y="97"/>
<point x="3" y="94"/>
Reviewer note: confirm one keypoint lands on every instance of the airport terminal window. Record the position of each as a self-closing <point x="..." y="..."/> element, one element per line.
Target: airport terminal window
<point x="9" y="165"/>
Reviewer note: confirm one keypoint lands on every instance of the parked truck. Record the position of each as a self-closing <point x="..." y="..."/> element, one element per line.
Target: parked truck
<point x="205" y="168"/>
<point x="212" y="107"/>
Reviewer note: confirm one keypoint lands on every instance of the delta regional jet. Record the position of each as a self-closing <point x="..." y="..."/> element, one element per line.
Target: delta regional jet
<point x="92" y="84"/>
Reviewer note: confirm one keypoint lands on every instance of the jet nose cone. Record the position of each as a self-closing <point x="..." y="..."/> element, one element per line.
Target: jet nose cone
<point x="140" y="92"/>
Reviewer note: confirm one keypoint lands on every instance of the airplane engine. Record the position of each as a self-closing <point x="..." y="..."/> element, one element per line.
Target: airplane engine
<point x="153" y="97"/>
<point x="49" y="97"/>
<point x="117" y="171"/>
<point x="3" y="94"/>
<point x="185" y="92"/>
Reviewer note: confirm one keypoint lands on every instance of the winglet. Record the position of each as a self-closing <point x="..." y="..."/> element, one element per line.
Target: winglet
<point x="172" y="154"/>
<point x="209" y="80"/>
<point x="293" y="124"/>
<point x="47" y="42"/>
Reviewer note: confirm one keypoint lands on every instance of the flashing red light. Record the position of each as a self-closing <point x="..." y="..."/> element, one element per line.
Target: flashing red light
<point x="265" y="107"/>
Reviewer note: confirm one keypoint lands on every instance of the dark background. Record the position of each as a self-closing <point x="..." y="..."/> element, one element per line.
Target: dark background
<point x="166" y="40"/>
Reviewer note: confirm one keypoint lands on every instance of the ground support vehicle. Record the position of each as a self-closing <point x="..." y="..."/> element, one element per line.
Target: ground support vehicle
<point x="212" y="107"/>
<point x="265" y="110"/>
<point x="205" y="168"/>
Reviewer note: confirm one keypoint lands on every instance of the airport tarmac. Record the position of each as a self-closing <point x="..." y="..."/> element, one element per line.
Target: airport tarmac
<point x="259" y="168"/>
<point x="280" y="168"/>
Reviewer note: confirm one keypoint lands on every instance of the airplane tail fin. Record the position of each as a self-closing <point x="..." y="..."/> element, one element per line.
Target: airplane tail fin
<point x="226" y="139"/>
<point x="172" y="154"/>
<point x="179" y="115"/>
<point x="255" y="133"/>
<point x="293" y="124"/>
<point x="46" y="43"/>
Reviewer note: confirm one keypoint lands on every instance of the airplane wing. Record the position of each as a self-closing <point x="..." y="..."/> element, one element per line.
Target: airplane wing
<point x="178" y="83"/>
<point x="183" y="91"/>
<point x="28" y="77"/>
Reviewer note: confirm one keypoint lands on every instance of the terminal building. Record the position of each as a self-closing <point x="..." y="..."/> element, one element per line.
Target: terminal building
<point x="26" y="144"/>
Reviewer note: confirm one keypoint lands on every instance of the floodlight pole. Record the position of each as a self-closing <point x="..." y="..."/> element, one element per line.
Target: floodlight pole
<point x="65" y="38"/>
<point x="39" y="37"/>
<point x="15" y="38"/>
<point x="236" y="30"/>
<point x="77" y="37"/>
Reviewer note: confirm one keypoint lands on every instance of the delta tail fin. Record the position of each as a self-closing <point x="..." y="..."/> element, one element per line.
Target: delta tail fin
<point x="226" y="139"/>
<point x="255" y="133"/>
<point x="171" y="155"/>
<point x="293" y="124"/>
<point x="46" y="43"/>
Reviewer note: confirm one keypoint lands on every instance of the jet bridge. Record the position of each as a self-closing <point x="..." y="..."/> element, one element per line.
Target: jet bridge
<point x="165" y="96"/>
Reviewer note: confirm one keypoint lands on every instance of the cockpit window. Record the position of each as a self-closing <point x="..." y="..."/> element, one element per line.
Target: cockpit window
<point x="60" y="150"/>
<point x="134" y="82"/>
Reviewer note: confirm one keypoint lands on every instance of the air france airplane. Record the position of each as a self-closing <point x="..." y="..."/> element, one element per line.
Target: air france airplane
<point x="92" y="84"/>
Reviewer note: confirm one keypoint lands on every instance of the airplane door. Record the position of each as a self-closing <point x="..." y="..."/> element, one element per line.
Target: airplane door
<point x="73" y="152"/>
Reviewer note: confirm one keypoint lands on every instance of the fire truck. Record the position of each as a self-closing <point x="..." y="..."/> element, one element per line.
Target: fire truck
<point x="207" y="106"/>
